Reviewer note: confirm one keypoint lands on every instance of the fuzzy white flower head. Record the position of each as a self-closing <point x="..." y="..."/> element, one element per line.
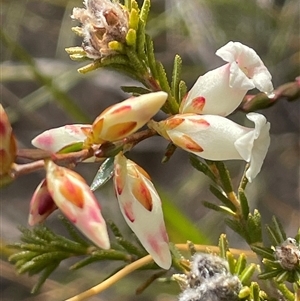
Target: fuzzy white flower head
<point x="217" y="138"/>
<point x="221" y="90"/>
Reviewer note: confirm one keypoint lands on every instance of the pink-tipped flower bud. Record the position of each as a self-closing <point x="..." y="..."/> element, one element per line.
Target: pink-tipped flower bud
<point x="75" y="199"/>
<point x="140" y="205"/>
<point x="57" y="139"/>
<point x="41" y="204"/>
<point x="8" y="147"/>
<point x="126" y="117"/>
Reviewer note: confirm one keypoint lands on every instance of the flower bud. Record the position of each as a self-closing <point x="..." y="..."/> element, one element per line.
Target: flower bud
<point x="141" y="207"/>
<point x="56" y="139"/>
<point x="8" y="147"/>
<point x="126" y="117"/>
<point x="41" y="204"/>
<point x="74" y="198"/>
<point x="217" y="138"/>
<point x="220" y="91"/>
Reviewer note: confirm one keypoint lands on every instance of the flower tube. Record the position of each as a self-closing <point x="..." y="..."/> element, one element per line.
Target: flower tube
<point x="220" y="91"/>
<point x="141" y="207"/>
<point x="217" y="138"/>
<point x="126" y="117"/>
<point x="74" y="198"/>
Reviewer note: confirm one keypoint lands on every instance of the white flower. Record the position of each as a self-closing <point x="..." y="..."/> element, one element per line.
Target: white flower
<point x="220" y="91"/>
<point x="217" y="138"/>
<point x="141" y="207"/>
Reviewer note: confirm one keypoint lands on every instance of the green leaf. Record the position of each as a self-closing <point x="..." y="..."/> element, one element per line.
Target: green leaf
<point x="145" y="10"/>
<point x="264" y="252"/>
<point x="131" y="38"/>
<point x="278" y="229"/>
<point x="286" y="292"/>
<point x="130" y="248"/>
<point x="151" y="56"/>
<point x="244" y="204"/>
<point x="223" y="245"/>
<point x="133" y="19"/>
<point x="254" y="227"/>
<point x="224" y="176"/>
<point x="171" y="106"/>
<point x="199" y="165"/>
<point x="180" y="228"/>
<point x="73" y="232"/>
<point x="248" y="272"/>
<point x="140" y="42"/>
<point x="182" y="90"/>
<point x="238" y="228"/>
<point x="171" y="148"/>
<point x="176" y="77"/>
<point x="220" y="196"/>
<point x="240" y="264"/>
<point x="135" y="90"/>
<point x="255" y="291"/>
<point x="218" y="208"/>
<point x="44" y="276"/>
<point x="104" y="174"/>
<point x="135" y="61"/>
<point x="75" y="147"/>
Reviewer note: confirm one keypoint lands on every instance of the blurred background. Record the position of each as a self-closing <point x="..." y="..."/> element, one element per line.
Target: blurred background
<point x="40" y="89"/>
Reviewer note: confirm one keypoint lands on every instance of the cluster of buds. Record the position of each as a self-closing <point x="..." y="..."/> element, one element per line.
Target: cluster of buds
<point x="139" y="201"/>
<point x="201" y="127"/>
<point x="102" y="22"/>
<point x="7" y="145"/>
<point x="208" y="279"/>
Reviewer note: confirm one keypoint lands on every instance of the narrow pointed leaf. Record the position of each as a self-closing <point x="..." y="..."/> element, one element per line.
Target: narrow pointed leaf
<point x="197" y="164"/>
<point x="244" y="204"/>
<point x="176" y="77"/>
<point x="220" y="196"/>
<point x="104" y="174"/>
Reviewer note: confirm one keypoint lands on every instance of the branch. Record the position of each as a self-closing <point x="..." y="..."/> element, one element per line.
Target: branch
<point x="289" y="91"/>
<point x="142" y="262"/>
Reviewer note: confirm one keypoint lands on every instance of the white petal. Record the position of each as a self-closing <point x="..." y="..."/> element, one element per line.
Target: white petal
<point x="249" y="63"/>
<point x="221" y="90"/>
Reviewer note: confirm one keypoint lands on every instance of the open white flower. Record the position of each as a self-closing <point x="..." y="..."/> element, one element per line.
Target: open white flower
<point x="141" y="207"/>
<point x="217" y="138"/>
<point x="220" y="91"/>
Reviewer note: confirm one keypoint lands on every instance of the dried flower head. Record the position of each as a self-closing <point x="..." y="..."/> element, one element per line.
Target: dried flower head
<point x="102" y="22"/>
<point x="206" y="266"/>
<point x="288" y="254"/>
<point x="209" y="280"/>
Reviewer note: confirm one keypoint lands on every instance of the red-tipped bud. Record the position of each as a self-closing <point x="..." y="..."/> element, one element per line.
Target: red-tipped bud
<point x="41" y="204"/>
<point x="75" y="199"/>
<point x="7" y="143"/>
<point x="126" y="117"/>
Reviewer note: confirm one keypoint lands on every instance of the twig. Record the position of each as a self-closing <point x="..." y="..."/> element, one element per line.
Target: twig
<point x="140" y="263"/>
